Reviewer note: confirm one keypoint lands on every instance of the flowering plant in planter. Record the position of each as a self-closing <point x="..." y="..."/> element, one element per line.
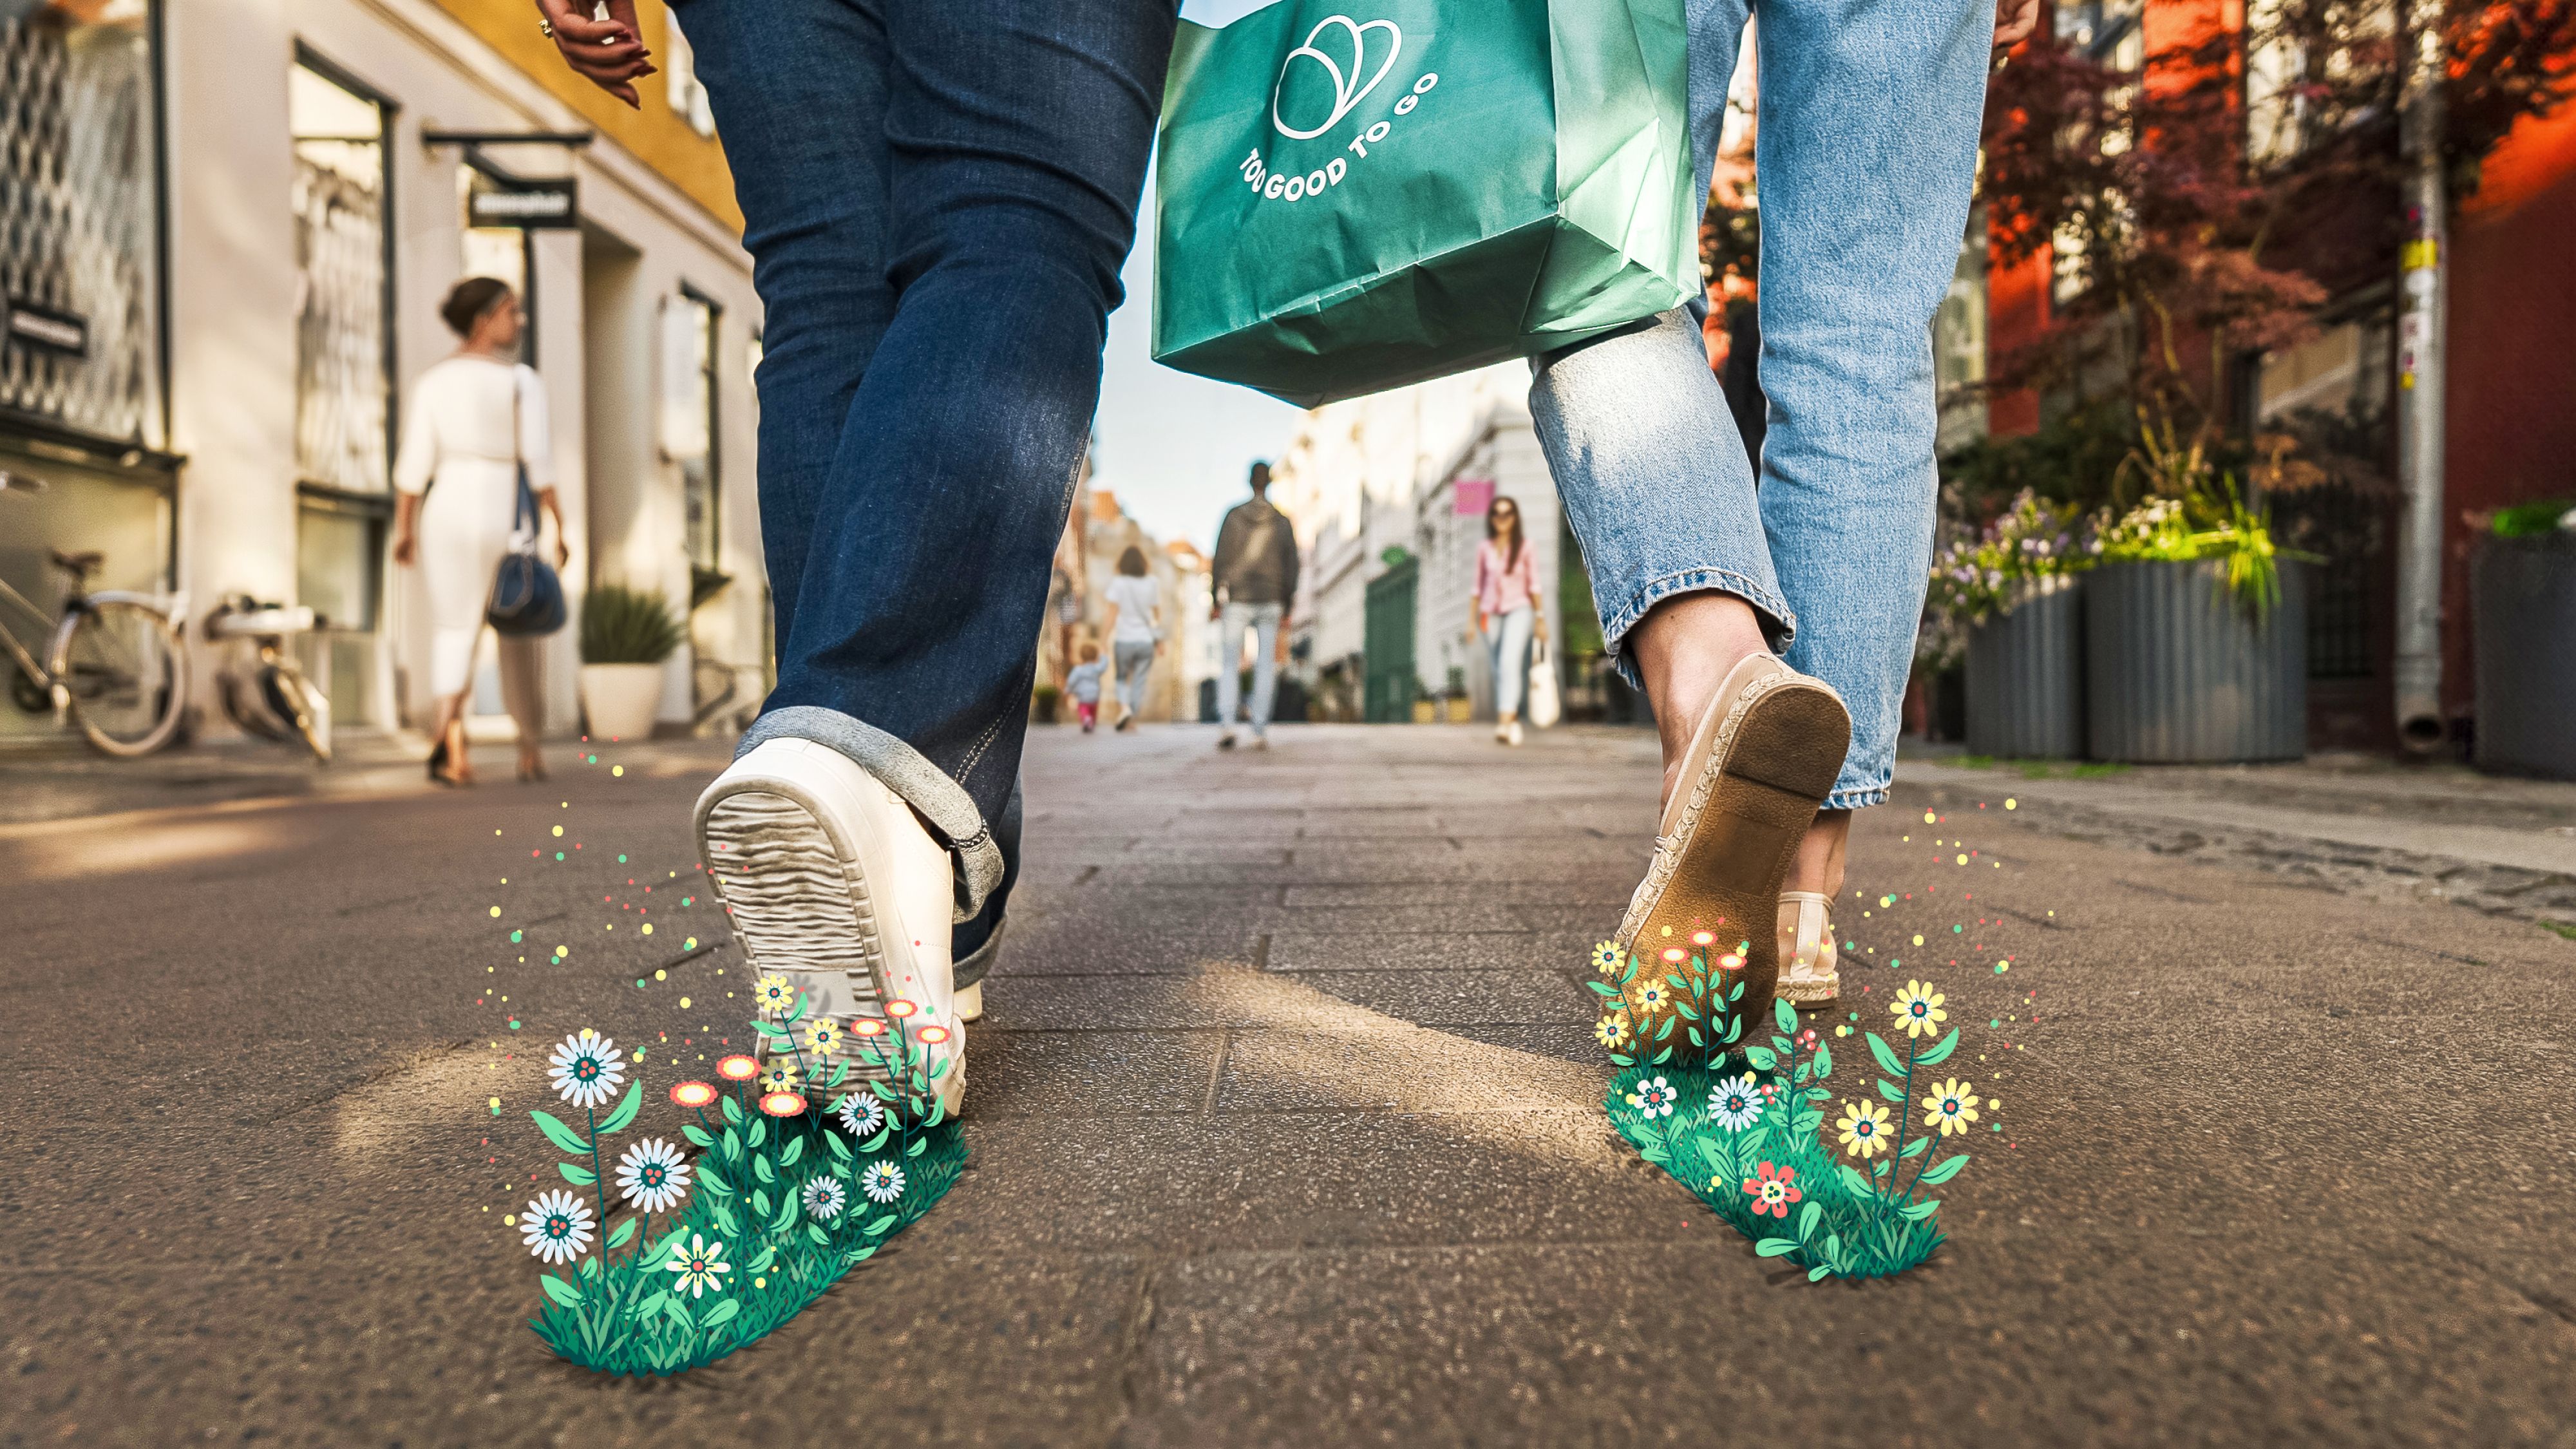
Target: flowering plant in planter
<point x="1750" y="1134"/>
<point x="2204" y="523"/>
<point x="2028" y="548"/>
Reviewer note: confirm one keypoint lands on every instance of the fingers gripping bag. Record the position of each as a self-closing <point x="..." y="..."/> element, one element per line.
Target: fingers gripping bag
<point x="1358" y="194"/>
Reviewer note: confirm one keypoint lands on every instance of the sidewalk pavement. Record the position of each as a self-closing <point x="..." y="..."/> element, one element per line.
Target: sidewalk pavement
<point x="64" y="780"/>
<point x="1287" y="1130"/>
<point x="2377" y="827"/>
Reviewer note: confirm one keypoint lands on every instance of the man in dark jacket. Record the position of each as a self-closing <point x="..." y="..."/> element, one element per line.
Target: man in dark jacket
<point x="1255" y="579"/>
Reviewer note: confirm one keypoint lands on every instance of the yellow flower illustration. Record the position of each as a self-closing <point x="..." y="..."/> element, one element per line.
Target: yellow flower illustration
<point x="822" y="1036"/>
<point x="778" y="1075"/>
<point x="774" y="995"/>
<point x="1918" y="1009"/>
<point x="1611" y="1030"/>
<point x="1652" y="997"/>
<point x="1951" y="1107"/>
<point x="1608" y="958"/>
<point x="1864" y="1128"/>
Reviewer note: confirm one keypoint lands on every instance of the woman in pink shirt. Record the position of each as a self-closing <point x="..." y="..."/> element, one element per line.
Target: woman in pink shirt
<point x="1507" y="610"/>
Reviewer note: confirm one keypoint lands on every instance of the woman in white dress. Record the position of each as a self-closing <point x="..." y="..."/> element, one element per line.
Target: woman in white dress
<point x="473" y="418"/>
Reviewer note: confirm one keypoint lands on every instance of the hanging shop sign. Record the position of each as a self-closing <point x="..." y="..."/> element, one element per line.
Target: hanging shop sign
<point x="535" y="204"/>
<point x="48" y="329"/>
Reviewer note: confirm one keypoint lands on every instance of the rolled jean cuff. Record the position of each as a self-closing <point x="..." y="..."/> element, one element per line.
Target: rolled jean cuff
<point x="1856" y="799"/>
<point x="1779" y="625"/>
<point x="972" y="967"/>
<point x="941" y="802"/>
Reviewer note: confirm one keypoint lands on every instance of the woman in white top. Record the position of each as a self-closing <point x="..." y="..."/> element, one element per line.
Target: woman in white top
<point x="1135" y="631"/>
<point x="473" y="418"/>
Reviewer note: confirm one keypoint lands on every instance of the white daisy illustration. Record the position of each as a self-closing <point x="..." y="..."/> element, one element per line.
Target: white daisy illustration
<point x="586" y="1070"/>
<point x="653" y="1175"/>
<point x="1735" y="1103"/>
<point x="824" y="1198"/>
<point x="557" y="1226"/>
<point x="881" y="1181"/>
<point x="701" y="1266"/>
<point x="862" y="1114"/>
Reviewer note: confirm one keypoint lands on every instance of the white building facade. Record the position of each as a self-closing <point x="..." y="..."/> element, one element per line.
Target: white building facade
<point x="253" y="208"/>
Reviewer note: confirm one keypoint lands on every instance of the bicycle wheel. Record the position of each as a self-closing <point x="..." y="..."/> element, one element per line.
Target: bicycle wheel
<point x="128" y="676"/>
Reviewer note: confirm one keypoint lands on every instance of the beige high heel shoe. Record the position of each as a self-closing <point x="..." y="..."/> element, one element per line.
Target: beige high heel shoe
<point x="1809" y="956"/>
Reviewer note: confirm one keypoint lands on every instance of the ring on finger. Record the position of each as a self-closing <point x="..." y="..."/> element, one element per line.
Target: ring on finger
<point x="546" y="28"/>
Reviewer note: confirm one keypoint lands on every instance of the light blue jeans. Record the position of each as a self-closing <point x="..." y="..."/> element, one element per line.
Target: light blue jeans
<point x="1866" y="145"/>
<point x="1507" y="636"/>
<point x="1135" y="661"/>
<point x="1263" y="621"/>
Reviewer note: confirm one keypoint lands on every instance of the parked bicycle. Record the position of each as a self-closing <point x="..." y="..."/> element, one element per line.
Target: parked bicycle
<point x="112" y="663"/>
<point x="262" y="687"/>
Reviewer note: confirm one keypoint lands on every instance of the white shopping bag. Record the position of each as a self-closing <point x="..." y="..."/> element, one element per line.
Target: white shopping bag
<point x="1544" y="710"/>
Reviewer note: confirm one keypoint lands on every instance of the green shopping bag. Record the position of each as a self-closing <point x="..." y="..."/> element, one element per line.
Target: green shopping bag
<point x="1358" y="194"/>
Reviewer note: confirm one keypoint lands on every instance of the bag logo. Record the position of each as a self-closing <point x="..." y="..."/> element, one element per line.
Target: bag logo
<point x="1348" y="89"/>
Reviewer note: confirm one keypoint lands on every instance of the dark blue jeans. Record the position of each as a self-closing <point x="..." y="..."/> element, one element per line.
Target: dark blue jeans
<point x="938" y="196"/>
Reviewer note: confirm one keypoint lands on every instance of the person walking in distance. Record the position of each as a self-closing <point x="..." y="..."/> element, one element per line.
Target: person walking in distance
<point x="1773" y="630"/>
<point x="937" y="199"/>
<point x="1135" y="631"/>
<point x="1255" y="580"/>
<point x="1508" y="611"/>
<point x="475" y="419"/>
<point x="1082" y="684"/>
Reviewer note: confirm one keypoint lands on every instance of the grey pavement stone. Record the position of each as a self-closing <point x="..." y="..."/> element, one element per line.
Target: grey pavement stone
<point x="1448" y="951"/>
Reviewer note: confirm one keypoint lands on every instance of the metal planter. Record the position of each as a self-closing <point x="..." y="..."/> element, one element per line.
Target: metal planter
<point x="2522" y="604"/>
<point x="2178" y="672"/>
<point x="2026" y="677"/>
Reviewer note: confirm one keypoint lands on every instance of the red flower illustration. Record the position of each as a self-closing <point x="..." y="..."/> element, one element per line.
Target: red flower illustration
<point x="1773" y="1189"/>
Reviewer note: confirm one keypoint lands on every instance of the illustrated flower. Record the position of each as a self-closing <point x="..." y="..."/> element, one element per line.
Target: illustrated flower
<point x="1730" y="962"/>
<point x="778" y="1076"/>
<point x="900" y="1008"/>
<point x="1863" y="1127"/>
<point x="737" y="1069"/>
<point x="1607" y="958"/>
<point x="1773" y="1189"/>
<point x="586" y="1071"/>
<point x="653" y="1175"/>
<point x="881" y="1181"/>
<point x="692" y="1094"/>
<point x="1675" y="955"/>
<point x="782" y="1104"/>
<point x="701" y="1266"/>
<point x="557" y="1226"/>
<point x="867" y="1026"/>
<point x="824" y="1199"/>
<point x="1612" y="1029"/>
<point x="1655" y="1097"/>
<point x="1735" y="1103"/>
<point x="862" y="1113"/>
<point x="1951" y="1107"/>
<point x="1918" y="1009"/>
<point x="1651" y="997"/>
<point x="774" y="996"/>
<point x="822" y="1036"/>
<point x="1807" y="1039"/>
<point x="932" y="1035"/>
<point x="1703" y="939"/>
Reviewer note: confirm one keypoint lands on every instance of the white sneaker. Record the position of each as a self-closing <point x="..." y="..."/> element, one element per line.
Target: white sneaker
<point x="1512" y="733"/>
<point x="834" y="884"/>
<point x="970" y="1002"/>
<point x="1260" y="741"/>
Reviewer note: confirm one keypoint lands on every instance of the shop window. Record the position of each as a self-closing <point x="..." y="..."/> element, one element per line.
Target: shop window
<point x="80" y="196"/>
<point x="503" y="253"/>
<point x="343" y="377"/>
<point x="689" y="323"/>
<point x="686" y="93"/>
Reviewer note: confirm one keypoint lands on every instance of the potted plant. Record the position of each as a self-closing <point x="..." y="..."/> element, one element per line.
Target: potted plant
<point x="2522" y="610"/>
<point x="626" y="635"/>
<point x="1456" y="706"/>
<point x="2196" y="635"/>
<point x="1044" y="701"/>
<point x="2014" y="590"/>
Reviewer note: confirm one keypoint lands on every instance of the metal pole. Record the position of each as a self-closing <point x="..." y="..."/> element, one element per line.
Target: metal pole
<point x="2422" y="275"/>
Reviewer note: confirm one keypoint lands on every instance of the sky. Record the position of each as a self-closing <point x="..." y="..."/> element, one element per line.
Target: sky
<point x="1173" y="447"/>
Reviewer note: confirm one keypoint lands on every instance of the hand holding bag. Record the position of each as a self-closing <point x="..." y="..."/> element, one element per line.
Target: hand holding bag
<point x="1543" y="709"/>
<point x="527" y="594"/>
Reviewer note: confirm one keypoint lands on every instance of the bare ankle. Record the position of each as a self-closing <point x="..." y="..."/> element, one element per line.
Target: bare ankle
<point x="1684" y="649"/>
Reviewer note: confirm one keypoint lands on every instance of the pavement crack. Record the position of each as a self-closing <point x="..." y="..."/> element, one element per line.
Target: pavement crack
<point x="2427" y="950"/>
<point x="2145" y="889"/>
<point x="2540" y="1298"/>
<point x="1135" y="1369"/>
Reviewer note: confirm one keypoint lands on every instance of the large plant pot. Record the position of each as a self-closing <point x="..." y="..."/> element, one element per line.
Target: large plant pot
<point x="2177" y="671"/>
<point x="2522" y="604"/>
<point x="2026" y="676"/>
<point x="621" y="699"/>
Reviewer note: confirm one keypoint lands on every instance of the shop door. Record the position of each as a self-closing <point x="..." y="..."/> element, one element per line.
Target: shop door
<point x="1392" y="679"/>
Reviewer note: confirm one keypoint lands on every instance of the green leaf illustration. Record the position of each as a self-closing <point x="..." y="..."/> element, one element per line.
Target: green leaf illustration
<point x="760" y="1202"/>
<point x="795" y="1150"/>
<point x="1666" y="1054"/>
<point x="1888" y="1090"/>
<point x="1798" y="1074"/>
<point x="1807" y="1217"/>
<point x="576" y="1175"/>
<point x="761" y="1260"/>
<point x="761" y="1169"/>
<point x="1824" y="1061"/>
<point x="623" y="1231"/>
<point x="732" y="1110"/>
<point x="652" y="1307"/>
<point x="839" y="1145"/>
<point x="861" y="1255"/>
<point x="1817" y="1273"/>
<point x="560" y="1135"/>
<point x="722" y="1314"/>
<point x="1945" y="1169"/>
<point x="1888" y="1061"/>
<point x="1941" y="1053"/>
<point x="697" y="1135"/>
<point x="619" y="1120"/>
<point x="1917" y="1211"/>
<point x="918" y="1143"/>
<point x="560" y="1291"/>
<point x="1785" y="1014"/>
<point x="1776" y="1247"/>
<point x="881" y="1226"/>
<point x="1602" y="988"/>
<point x="1761" y="1058"/>
<point x="1853" y="1179"/>
<point x="1915" y="1147"/>
<point x="714" y="1184"/>
<point x="758" y="1134"/>
<point x="814" y="1231"/>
